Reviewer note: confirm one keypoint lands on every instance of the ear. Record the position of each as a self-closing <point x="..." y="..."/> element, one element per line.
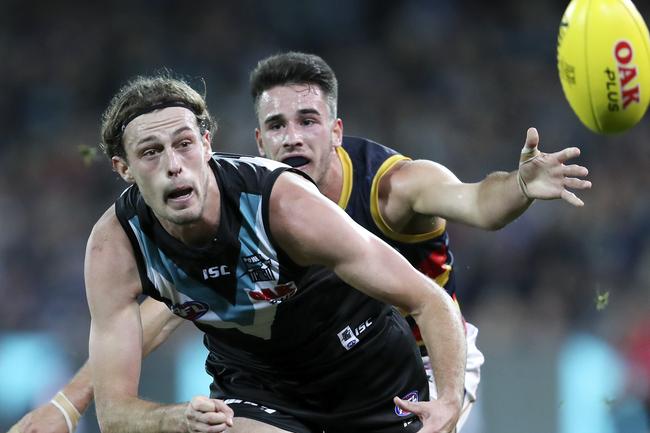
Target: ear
<point x="337" y="133"/>
<point x="206" y="139"/>
<point x="260" y="144"/>
<point x="122" y="168"/>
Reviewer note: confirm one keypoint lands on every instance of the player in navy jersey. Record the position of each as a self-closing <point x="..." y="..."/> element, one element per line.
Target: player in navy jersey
<point x="402" y="201"/>
<point x="250" y="252"/>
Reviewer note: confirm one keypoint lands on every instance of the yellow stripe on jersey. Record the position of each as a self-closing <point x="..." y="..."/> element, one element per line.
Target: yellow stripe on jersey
<point x="379" y="220"/>
<point x="347" y="177"/>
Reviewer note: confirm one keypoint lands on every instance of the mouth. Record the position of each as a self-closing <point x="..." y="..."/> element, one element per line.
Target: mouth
<point x="179" y="194"/>
<point x="296" y="161"/>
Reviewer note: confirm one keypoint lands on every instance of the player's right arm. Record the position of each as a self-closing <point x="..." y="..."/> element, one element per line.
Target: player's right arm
<point x="158" y="323"/>
<point x="112" y="288"/>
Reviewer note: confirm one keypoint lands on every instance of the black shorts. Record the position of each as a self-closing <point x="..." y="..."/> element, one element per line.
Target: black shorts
<point x="353" y="396"/>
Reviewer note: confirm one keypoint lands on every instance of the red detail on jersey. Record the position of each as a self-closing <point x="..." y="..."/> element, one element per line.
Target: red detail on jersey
<point x="280" y="292"/>
<point x="433" y="264"/>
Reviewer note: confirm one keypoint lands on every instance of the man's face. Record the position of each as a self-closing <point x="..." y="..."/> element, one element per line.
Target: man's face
<point x="295" y="127"/>
<point x="167" y="158"/>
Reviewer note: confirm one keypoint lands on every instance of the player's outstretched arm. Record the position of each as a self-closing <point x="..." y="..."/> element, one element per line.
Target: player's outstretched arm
<point x="426" y="188"/>
<point x="313" y="230"/>
<point x="62" y="414"/>
<point x="112" y="287"/>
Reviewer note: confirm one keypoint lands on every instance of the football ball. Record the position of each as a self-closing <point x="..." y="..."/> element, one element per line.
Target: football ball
<point x="603" y="59"/>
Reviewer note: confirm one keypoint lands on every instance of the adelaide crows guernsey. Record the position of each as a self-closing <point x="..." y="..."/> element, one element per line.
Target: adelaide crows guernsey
<point x="364" y="163"/>
<point x="263" y="316"/>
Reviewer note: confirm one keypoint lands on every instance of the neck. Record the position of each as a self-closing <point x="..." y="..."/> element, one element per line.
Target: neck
<point x="332" y="184"/>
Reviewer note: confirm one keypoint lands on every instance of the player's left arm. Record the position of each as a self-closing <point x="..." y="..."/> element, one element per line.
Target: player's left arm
<point x="313" y="230"/>
<point x="427" y="188"/>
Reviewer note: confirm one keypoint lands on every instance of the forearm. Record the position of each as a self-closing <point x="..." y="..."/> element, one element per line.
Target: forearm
<point x="136" y="415"/>
<point x="500" y="200"/>
<point x="79" y="391"/>
<point x="442" y="329"/>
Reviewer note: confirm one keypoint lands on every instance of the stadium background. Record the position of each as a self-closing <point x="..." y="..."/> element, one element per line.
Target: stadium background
<point x="561" y="296"/>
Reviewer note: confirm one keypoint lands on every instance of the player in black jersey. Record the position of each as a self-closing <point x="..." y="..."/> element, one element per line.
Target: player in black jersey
<point x="360" y="176"/>
<point x="252" y="253"/>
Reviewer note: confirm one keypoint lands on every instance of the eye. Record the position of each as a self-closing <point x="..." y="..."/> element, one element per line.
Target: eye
<point x="308" y="122"/>
<point x="275" y="126"/>
<point x="149" y="152"/>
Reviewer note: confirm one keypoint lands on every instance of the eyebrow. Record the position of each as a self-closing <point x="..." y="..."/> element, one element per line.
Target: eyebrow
<point x="303" y="111"/>
<point x="153" y="137"/>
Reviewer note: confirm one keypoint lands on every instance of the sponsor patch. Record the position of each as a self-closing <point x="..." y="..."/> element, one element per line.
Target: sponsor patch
<point x="190" y="310"/>
<point x="279" y="293"/>
<point x="412" y="397"/>
<point x="347" y="337"/>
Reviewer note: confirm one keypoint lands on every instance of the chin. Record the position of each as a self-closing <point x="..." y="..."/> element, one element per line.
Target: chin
<point x="183" y="217"/>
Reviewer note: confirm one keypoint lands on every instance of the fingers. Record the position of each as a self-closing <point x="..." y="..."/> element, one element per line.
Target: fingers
<point x="225" y="410"/>
<point x="568" y="153"/>
<point x="573" y="183"/>
<point x="575" y="170"/>
<point x="202" y="404"/>
<point x="532" y="138"/>
<point x="571" y="198"/>
<point x="408" y="406"/>
<point x="530" y="149"/>
<point x="206" y="415"/>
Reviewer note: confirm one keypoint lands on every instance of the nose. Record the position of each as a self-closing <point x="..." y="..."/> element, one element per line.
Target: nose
<point x="174" y="165"/>
<point x="292" y="136"/>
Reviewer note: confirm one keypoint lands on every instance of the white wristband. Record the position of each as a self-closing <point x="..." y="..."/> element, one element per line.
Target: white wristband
<point x="67" y="409"/>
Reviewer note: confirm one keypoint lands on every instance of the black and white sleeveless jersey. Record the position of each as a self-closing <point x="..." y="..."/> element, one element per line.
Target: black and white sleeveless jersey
<point x="256" y="306"/>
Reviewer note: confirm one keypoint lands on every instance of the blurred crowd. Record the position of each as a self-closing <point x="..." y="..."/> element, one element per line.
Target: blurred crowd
<point x="454" y="82"/>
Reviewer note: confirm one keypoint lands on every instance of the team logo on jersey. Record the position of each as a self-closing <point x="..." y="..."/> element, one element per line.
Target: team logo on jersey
<point x="348" y="336"/>
<point x="278" y="294"/>
<point x="258" y="268"/>
<point x="412" y="397"/>
<point x="190" y="310"/>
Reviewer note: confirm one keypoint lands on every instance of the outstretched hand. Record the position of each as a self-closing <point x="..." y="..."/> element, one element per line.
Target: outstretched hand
<point x="437" y="416"/>
<point x="43" y="419"/>
<point x="545" y="176"/>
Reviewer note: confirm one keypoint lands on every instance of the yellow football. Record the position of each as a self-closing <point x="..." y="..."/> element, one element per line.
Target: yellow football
<point x="603" y="58"/>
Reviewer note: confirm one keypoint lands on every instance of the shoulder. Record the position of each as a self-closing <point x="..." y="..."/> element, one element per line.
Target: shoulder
<point x="107" y="235"/>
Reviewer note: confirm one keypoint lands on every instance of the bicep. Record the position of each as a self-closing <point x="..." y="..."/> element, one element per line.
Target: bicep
<point x="112" y="286"/>
<point x="313" y="230"/>
<point x="429" y="188"/>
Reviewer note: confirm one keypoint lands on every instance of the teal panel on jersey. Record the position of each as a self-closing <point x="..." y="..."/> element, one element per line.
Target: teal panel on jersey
<point x="159" y="266"/>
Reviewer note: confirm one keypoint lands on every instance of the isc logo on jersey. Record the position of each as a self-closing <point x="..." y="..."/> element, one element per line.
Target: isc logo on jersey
<point x="279" y="293"/>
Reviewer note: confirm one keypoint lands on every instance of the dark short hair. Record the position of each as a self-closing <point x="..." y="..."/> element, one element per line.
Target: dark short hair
<point x="142" y="95"/>
<point x="294" y="68"/>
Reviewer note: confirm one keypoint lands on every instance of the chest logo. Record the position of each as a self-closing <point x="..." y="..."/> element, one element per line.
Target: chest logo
<point x="191" y="310"/>
<point x="279" y="293"/>
<point x="258" y="268"/>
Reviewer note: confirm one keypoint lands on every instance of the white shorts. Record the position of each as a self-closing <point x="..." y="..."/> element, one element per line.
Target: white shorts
<point x="475" y="360"/>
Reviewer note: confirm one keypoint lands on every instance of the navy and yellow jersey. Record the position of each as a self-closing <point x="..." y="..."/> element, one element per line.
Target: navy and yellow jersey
<point x="259" y="310"/>
<point x="364" y="164"/>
